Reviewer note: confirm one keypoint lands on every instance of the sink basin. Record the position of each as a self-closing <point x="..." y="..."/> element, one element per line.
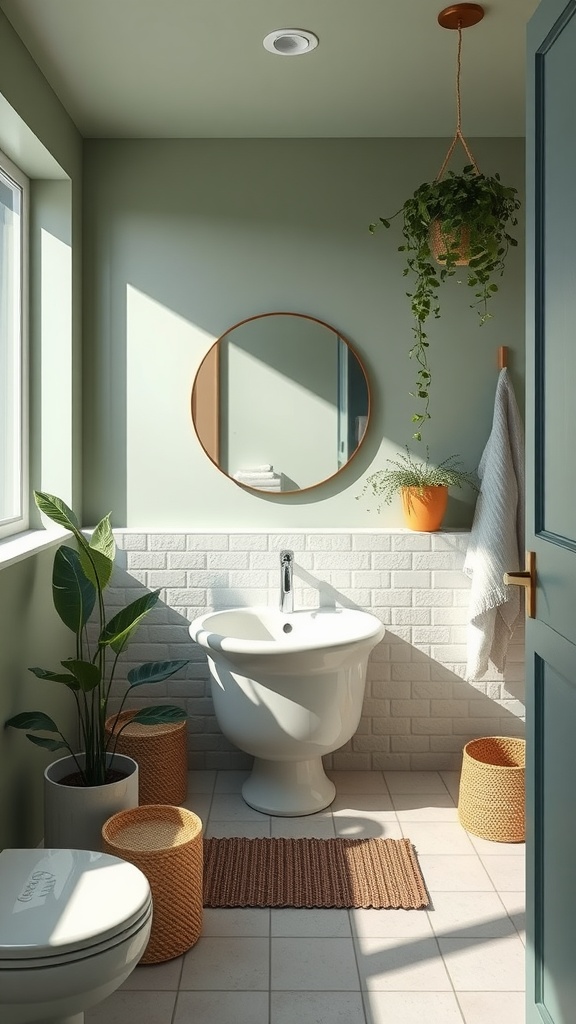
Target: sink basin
<point x="288" y="688"/>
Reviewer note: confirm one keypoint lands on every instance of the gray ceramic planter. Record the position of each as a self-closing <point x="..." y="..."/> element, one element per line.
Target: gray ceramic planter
<point x="74" y="815"/>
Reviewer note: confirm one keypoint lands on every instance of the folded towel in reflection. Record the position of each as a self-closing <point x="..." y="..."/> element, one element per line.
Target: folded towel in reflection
<point x="497" y="538"/>
<point x="252" y="477"/>
<point x="265" y="481"/>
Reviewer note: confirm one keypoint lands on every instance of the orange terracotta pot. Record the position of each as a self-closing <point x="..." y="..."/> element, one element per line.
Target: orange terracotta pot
<point x="424" y="507"/>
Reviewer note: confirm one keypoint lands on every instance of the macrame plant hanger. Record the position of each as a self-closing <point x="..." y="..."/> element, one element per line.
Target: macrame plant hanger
<point x="459" y="16"/>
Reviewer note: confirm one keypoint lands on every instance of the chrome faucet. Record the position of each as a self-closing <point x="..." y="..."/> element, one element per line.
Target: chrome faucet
<point x="286" y="589"/>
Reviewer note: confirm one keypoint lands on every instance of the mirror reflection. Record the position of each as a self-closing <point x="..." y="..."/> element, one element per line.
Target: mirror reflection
<point x="280" y="402"/>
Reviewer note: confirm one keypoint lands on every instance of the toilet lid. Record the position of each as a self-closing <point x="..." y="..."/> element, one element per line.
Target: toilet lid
<point x="52" y="901"/>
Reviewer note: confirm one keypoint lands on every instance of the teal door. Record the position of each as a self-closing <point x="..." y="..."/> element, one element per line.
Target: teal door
<point x="551" y="514"/>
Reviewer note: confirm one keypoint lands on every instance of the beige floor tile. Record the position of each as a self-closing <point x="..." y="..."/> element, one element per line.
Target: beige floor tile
<point x="486" y="847"/>
<point x="490" y="1007"/>
<point x="452" y="782"/>
<point x="414" y="782"/>
<point x="242" y="829"/>
<point x="507" y="873"/>
<point x="405" y="965"/>
<point x="201" y="781"/>
<point x="124" y="1007"/>
<point x="163" y="977"/>
<point x="310" y="826"/>
<point x="454" y="874"/>
<point x="316" y="1008"/>
<point x="366" y="828"/>
<point x="485" y="965"/>
<point x="413" y="1008"/>
<point x="313" y="964"/>
<point x="231" y="921"/>
<point x="221" y="1008"/>
<point x="231" y="807"/>
<point x="375" y="805"/>
<point x="200" y="804"/>
<point x="217" y="964"/>
<point x="438" y="837"/>
<point x="230" y="781"/>
<point x="328" y="923"/>
<point x="468" y="914"/>
<point x="391" y="923"/>
<point x="357" y="782"/>
<point x="424" y="807"/>
<point x="515" y="903"/>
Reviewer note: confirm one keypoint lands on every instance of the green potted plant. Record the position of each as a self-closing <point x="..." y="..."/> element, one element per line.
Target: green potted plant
<point x="461" y="219"/>
<point x="422" y="486"/>
<point x="93" y="775"/>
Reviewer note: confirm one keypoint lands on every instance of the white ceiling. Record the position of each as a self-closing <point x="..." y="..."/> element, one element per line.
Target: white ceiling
<point x="198" y="69"/>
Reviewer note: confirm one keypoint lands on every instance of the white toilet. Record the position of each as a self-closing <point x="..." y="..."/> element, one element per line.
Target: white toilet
<point x="73" y="925"/>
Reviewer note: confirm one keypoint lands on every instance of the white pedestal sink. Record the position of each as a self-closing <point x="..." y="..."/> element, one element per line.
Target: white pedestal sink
<point x="288" y="688"/>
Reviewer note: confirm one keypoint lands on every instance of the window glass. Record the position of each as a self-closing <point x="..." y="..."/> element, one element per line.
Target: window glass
<point x="13" y="408"/>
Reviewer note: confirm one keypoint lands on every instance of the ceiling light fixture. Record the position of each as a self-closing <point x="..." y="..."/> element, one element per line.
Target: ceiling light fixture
<point x="290" y="42"/>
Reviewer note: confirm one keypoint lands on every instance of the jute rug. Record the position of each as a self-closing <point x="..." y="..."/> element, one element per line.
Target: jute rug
<point x="380" y="873"/>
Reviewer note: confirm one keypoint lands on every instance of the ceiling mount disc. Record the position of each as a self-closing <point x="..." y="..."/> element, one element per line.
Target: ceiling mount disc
<point x="461" y="16"/>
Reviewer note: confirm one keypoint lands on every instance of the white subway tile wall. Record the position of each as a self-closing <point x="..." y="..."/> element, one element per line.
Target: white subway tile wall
<point x="418" y="711"/>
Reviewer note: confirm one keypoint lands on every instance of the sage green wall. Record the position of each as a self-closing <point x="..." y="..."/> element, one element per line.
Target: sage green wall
<point x="183" y="238"/>
<point x="38" y="135"/>
<point x="31" y="634"/>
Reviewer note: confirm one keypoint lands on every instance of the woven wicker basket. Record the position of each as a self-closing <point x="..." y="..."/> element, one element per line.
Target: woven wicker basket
<point x="165" y="842"/>
<point x="440" y="243"/>
<point x="160" y="751"/>
<point x="491" y="802"/>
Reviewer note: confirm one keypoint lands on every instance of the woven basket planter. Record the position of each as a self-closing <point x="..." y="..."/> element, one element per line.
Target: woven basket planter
<point x="165" y="842"/>
<point x="160" y="751"/>
<point x="441" y="243"/>
<point x="491" y="802"/>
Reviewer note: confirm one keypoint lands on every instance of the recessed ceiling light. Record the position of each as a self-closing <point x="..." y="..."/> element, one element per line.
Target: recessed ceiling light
<point x="290" y="42"/>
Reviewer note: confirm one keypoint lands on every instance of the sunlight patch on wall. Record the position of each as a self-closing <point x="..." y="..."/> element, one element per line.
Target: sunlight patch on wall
<point x="56" y="364"/>
<point x="163" y="351"/>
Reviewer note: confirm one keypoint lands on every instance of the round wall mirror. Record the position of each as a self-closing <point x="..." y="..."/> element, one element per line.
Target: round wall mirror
<point x="281" y="402"/>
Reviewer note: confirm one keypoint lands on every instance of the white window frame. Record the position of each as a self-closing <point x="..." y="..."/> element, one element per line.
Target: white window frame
<point x="18" y="433"/>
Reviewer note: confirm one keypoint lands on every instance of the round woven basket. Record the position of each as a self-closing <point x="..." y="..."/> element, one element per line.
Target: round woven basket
<point x="441" y="243"/>
<point x="160" y="751"/>
<point x="165" y="842"/>
<point x="491" y="802"/>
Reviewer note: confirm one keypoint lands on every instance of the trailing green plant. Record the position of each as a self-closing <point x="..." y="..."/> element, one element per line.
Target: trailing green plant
<point x="79" y="578"/>
<point x="474" y="212"/>
<point x="407" y="471"/>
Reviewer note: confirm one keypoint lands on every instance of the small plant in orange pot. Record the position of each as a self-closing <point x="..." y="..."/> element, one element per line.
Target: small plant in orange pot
<point x="423" y="487"/>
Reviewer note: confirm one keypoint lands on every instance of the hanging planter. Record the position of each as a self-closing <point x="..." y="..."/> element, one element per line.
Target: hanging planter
<point x="453" y="221"/>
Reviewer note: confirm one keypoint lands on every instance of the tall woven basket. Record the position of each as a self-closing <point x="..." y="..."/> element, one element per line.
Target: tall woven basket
<point x="166" y="843"/>
<point x="491" y="802"/>
<point x="160" y="751"/>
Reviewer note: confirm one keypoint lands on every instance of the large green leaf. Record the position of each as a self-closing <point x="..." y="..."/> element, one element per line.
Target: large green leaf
<point x="154" y="671"/>
<point x="43" y="741"/>
<point x="56" y="677"/>
<point x="117" y="632"/>
<point x="87" y="674"/>
<point x="102" y="539"/>
<point x="73" y="594"/>
<point x="96" y="566"/>
<point x="32" y="720"/>
<point x="57" y="511"/>
<point x="159" y="714"/>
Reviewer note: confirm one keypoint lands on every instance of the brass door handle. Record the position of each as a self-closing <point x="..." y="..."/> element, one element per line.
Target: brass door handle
<point x="527" y="579"/>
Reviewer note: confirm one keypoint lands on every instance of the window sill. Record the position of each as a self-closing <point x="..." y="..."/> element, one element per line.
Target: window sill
<point x="29" y="543"/>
